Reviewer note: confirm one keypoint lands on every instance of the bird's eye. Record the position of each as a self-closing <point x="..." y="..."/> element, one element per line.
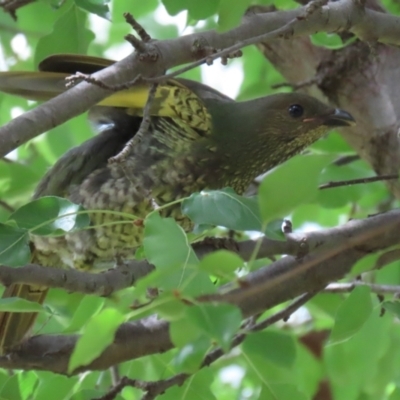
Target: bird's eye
<point x="296" y="110"/>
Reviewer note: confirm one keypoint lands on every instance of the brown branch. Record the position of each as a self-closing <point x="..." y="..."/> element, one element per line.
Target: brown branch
<point x="143" y="35"/>
<point x="102" y="284"/>
<point x="344" y="160"/>
<point x="287" y="278"/>
<point x="339" y="250"/>
<point x="11" y="6"/>
<point x="330" y="185"/>
<point x="296" y="86"/>
<point x="6" y="206"/>
<point x="107" y="282"/>
<point x="78" y="77"/>
<point x="336" y="16"/>
<point x="375" y="288"/>
<point x="143" y="129"/>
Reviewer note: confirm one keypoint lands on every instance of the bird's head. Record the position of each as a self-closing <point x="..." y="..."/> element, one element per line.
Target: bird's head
<point x="256" y="135"/>
<point x="296" y="115"/>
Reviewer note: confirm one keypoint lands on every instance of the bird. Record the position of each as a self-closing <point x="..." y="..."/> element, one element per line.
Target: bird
<point x="197" y="139"/>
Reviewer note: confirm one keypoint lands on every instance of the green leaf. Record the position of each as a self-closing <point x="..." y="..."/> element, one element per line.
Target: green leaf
<point x="273" y="230"/>
<point x="282" y="391"/>
<point x="11" y="390"/>
<point x="393" y="307"/>
<point x="165" y="243"/>
<point x="333" y="143"/>
<point x="50" y="215"/>
<point x="395" y="395"/>
<point x="366" y="263"/>
<point x="171" y="310"/>
<point x="355" y="362"/>
<point x="202" y="9"/>
<point x="224" y="208"/>
<point x="183" y="332"/>
<point x="18" y="178"/>
<point x="17" y="304"/>
<point x="98" y="7"/>
<point x="174" y="7"/>
<point x="142" y="9"/>
<point x="307" y="379"/>
<point x="330" y="40"/>
<point x="69" y="36"/>
<point x="290" y="184"/>
<point x="221" y="263"/>
<point x="187" y="279"/>
<point x="189" y="357"/>
<point x="56" y="388"/>
<point x="167" y="247"/>
<point x="196" y="387"/>
<point x="98" y="334"/>
<point x="352" y="315"/>
<point x="14" y="246"/>
<point x="276" y="347"/>
<point x="28" y="380"/>
<point x="87" y="394"/>
<point x="228" y="16"/>
<point x="219" y="322"/>
<point x="340" y="196"/>
<point x="88" y="308"/>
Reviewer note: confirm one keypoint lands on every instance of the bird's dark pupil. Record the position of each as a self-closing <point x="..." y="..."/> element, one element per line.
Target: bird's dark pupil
<point x="296" y="110"/>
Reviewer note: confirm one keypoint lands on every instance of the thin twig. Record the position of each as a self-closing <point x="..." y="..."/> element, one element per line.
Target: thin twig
<point x="311" y="7"/>
<point x="348" y="287"/>
<point x="11" y="6"/>
<point x="78" y="77"/>
<point x="277" y="33"/>
<point x="115" y="375"/>
<point x="285" y="313"/>
<point x="330" y="185"/>
<point x="144" y="36"/>
<point x="113" y="392"/>
<point x="296" y="86"/>
<point x="387" y="258"/>
<point x="348" y="159"/>
<point x="143" y="129"/>
<point x="6" y="206"/>
<point x="231" y="51"/>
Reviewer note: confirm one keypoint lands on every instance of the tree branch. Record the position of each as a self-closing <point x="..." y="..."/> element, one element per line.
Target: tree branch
<point x="375" y="288"/>
<point x="126" y="274"/>
<point x="336" y="16"/>
<point x="336" y="251"/>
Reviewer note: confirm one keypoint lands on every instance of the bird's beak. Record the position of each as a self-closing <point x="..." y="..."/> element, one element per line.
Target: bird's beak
<point x="339" y="118"/>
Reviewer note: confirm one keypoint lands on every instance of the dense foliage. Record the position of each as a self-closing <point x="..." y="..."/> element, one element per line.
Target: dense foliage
<point x="342" y="343"/>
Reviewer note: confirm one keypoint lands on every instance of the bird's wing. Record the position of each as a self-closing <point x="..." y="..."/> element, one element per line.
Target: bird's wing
<point x="79" y="162"/>
<point x="175" y="98"/>
<point x="71" y="63"/>
<point x="44" y="85"/>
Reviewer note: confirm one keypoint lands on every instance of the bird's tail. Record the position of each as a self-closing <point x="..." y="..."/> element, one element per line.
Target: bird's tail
<point x="14" y="326"/>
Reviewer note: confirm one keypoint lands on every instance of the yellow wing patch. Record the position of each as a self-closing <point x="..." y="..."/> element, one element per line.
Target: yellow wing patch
<point x="172" y="99"/>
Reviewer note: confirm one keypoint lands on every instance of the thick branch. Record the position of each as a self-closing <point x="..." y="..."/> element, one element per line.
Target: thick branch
<point x="336" y="16"/>
<point x="107" y="282"/>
